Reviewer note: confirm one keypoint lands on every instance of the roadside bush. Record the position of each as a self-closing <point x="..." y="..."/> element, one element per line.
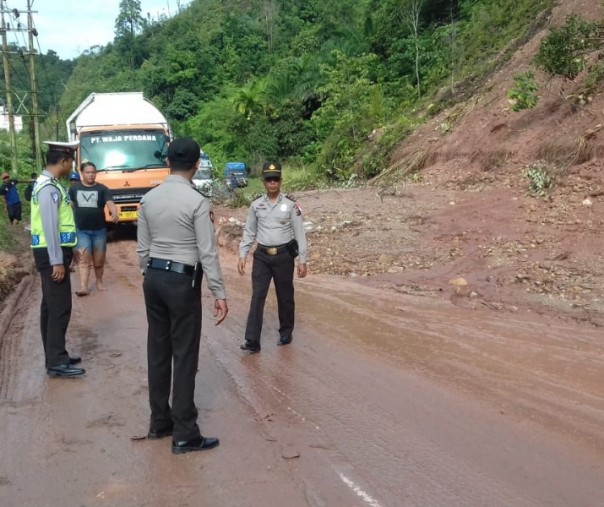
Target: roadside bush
<point x="523" y="95"/>
<point x="564" y="51"/>
<point x="591" y="86"/>
<point x="540" y="180"/>
<point x="243" y="199"/>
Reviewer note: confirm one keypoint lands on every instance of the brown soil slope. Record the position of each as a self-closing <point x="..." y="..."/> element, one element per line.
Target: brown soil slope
<point x="466" y="228"/>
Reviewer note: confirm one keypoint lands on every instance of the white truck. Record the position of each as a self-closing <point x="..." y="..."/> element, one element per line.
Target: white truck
<point x="127" y="138"/>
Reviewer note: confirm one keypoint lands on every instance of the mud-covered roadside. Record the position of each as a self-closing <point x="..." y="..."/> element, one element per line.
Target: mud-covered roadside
<point x="16" y="264"/>
<point x="486" y="245"/>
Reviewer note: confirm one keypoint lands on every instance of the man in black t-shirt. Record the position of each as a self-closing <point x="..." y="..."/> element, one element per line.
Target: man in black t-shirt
<point x="89" y="199"/>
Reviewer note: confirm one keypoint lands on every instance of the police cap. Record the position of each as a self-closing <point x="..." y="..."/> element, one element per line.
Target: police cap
<point x="183" y="151"/>
<point x="69" y="148"/>
<point x="271" y="170"/>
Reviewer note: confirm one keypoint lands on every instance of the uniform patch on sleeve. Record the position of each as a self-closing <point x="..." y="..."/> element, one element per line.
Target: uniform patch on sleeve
<point x="55" y="197"/>
<point x="298" y="209"/>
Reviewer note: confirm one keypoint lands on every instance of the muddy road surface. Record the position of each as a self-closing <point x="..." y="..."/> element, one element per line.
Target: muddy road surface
<point x="383" y="399"/>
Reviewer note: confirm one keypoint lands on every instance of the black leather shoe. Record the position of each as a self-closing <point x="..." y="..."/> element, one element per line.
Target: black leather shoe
<point x="157" y="434"/>
<point x="250" y="347"/>
<point x="65" y="370"/>
<point x="198" y="444"/>
<point x="285" y="340"/>
<point x="75" y="359"/>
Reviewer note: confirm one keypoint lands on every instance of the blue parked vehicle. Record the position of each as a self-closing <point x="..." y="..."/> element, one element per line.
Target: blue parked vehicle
<point x="236" y="174"/>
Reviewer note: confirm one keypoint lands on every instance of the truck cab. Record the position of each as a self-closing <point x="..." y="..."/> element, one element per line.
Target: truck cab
<point x="203" y="179"/>
<point x="127" y="138"/>
<point x="236" y="173"/>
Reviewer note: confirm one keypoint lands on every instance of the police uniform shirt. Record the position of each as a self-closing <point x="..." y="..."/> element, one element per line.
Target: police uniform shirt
<point x="174" y="224"/>
<point x="49" y="200"/>
<point x="273" y="225"/>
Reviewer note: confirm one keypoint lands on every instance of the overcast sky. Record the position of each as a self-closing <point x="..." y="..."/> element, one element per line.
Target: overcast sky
<point x="71" y="26"/>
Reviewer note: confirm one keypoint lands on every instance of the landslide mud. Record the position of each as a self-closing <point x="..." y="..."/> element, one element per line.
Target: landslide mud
<point x="383" y="399"/>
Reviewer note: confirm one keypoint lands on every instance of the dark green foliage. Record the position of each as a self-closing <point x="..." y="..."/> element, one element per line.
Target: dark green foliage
<point x="563" y="52"/>
<point x="306" y="82"/>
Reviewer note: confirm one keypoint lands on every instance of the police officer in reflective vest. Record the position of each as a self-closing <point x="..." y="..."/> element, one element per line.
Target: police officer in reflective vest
<point x="275" y="222"/>
<point x="53" y="236"/>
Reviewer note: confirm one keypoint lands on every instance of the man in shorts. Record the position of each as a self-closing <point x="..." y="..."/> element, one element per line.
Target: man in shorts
<point x="89" y="199"/>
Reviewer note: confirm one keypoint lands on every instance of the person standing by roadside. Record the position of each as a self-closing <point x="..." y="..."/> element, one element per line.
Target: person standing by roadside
<point x="176" y="245"/>
<point x="30" y="187"/>
<point x="74" y="177"/>
<point x="275" y="221"/>
<point x="53" y="236"/>
<point x="12" y="201"/>
<point x="89" y="199"/>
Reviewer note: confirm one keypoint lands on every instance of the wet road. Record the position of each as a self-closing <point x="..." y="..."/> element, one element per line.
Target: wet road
<point x="382" y="400"/>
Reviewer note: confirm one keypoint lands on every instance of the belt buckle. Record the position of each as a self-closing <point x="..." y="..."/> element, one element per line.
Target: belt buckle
<point x="272" y="250"/>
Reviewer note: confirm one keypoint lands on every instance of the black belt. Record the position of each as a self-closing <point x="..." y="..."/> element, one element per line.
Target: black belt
<point x="273" y="250"/>
<point x="176" y="267"/>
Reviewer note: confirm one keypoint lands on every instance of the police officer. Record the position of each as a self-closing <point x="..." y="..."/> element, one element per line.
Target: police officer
<point x="175" y="243"/>
<point x="275" y="221"/>
<point x="53" y="236"/>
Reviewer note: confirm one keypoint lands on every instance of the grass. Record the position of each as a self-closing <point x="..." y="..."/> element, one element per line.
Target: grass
<point x="295" y="179"/>
<point x="10" y="242"/>
<point x="566" y="154"/>
<point x="7" y="239"/>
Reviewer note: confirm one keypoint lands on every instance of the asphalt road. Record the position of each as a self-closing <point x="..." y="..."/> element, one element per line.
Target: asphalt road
<point x="383" y="399"/>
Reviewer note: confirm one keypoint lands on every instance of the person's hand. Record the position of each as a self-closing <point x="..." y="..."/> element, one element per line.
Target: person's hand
<point x="115" y="218"/>
<point x="241" y="266"/>
<point x="58" y="273"/>
<point x="302" y="270"/>
<point x="220" y="310"/>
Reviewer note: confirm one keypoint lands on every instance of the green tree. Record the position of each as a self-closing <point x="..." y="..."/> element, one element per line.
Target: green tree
<point x="411" y="11"/>
<point x="353" y="104"/>
<point x="128" y="24"/>
<point x="564" y="51"/>
<point x="249" y="100"/>
<point x="129" y="21"/>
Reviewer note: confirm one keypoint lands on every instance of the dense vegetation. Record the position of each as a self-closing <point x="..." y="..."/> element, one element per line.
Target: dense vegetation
<point x="306" y="82"/>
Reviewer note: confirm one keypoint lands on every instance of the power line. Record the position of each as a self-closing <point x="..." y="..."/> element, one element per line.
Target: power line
<point x="16" y="27"/>
<point x="9" y="98"/>
<point x="49" y="86"/>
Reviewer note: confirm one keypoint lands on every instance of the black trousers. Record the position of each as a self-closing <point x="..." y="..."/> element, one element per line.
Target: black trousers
<point x="174" y="317"/>
<point x="55" y="309"/>
<point x="280" y="269"/>
<point x="14" y="211"/>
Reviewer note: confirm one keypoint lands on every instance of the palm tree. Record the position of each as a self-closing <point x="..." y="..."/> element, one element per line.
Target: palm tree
<point x="250" y="99"/>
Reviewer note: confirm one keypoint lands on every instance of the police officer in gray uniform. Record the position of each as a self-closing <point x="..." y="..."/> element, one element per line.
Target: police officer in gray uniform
<point x="275" y="221"/>
<point x="176" y="245"/>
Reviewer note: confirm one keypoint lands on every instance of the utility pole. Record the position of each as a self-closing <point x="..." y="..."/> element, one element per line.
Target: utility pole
<point x="34" y="88"/>
<point x="9" y="96"/>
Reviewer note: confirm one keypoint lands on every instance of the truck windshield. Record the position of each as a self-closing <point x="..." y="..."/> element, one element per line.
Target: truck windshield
<point x="203" y="174"/>
<point x="124" y="150"/>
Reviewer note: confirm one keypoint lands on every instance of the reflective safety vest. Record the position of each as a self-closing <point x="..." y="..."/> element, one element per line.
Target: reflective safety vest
<point x="66" y="228"/>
